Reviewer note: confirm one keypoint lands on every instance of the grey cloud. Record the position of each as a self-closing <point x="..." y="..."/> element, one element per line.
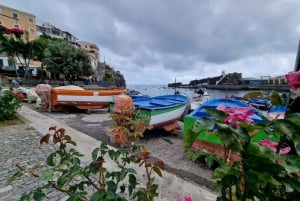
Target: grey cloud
<point x="177" y="36"/>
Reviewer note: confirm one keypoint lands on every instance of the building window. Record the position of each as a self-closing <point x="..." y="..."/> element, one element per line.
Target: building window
<point x="16" y="26"/>
<point x="30" y="19"/>
<point x="1" y="23"/>
<point x="31" y="30"/>
<point x="10" y="62"/>
<point x="15" y="15"/>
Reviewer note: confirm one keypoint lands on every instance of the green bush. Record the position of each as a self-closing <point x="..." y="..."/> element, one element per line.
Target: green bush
<point x="65" y="172"/>
<point x="261" y="173"/>
<point x="10" y="102"/>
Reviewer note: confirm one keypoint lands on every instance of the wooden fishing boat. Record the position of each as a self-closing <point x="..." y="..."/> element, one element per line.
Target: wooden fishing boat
<point x="200" y="112"/>
<point x="72" y="96"/>
<point x="161" y="111"/>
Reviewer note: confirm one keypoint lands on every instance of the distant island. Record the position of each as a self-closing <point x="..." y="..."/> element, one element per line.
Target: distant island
<point x="235" y="81"/>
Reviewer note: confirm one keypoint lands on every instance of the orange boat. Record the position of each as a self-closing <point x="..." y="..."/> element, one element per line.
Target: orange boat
<point x="72" y="96"/>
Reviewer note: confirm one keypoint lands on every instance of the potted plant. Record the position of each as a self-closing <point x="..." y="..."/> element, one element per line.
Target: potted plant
<point x="127" y="130"/>
<point x="128" y="127"/>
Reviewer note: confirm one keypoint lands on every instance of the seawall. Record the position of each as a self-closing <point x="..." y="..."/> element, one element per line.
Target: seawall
<point x="241" y="87"/>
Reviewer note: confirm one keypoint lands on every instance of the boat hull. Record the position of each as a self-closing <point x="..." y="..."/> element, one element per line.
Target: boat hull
<point x="161" y="117"/>
<point x="83" y="99"/>
<point x="277" y="112"/>
<point x="159" y="110"/>
<point x="198" y="100"/>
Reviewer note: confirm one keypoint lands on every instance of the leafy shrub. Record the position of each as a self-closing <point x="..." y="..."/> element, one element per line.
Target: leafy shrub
<point x="64" y="167"/>
<point x="10" y="102"/>
<point x="131" y="128"/>
<point x="261" y="173"/>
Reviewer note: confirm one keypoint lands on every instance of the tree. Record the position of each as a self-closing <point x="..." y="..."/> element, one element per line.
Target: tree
<point x="24" y="50"/>
<point x="39" y="50"/>
<point x="62" y="58"/>
<point x="8" y="46"/>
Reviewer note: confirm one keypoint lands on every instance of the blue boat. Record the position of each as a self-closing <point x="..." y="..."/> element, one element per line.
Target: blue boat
<point x="277" y="112"/>
<point x="260" y="103"/>
<point x="160" y="110"/>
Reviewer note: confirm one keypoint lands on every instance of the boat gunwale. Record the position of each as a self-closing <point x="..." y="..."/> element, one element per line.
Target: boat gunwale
<point x="151" y="105"/>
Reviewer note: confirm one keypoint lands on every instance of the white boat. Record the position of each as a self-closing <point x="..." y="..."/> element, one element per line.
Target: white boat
<point x="200" y="96"/>
<point x="72" y="96"/>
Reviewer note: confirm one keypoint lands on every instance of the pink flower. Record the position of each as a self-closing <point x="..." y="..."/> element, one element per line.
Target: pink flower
<point x="21" y="96"/>
<point x="237" y="115"/>
<point x="273" y="146"/>
<point x="293" y="80"/>
<point x="186" y="198"/>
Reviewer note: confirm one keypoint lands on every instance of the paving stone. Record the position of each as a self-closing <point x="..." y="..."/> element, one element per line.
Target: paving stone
<point x="54" y="195"/>
<point x="64" y="198"/>
<point x="5" y="189"/>
<point x="21" y="147"/>
<point x="7" y="197"/>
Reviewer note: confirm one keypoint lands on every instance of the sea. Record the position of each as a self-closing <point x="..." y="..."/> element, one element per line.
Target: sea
<point x="156" y="90"/>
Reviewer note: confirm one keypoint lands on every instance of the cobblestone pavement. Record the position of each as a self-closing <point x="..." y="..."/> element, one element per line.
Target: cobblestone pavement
<point x="20" y="145"/>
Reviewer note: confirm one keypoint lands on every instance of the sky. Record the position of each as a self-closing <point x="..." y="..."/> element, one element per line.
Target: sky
<point x="160" y="41"/>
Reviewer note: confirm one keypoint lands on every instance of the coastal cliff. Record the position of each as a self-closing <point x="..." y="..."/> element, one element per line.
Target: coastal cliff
<point x="112" y="77"/>
<point x="224" y="79"/>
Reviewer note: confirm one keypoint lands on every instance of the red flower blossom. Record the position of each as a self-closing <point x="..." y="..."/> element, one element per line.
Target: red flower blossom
<point x="21" y="96"/>
<point x="237" y="115"/>
<point x="273" y="146"/>
<point x="16" y="30"/>
<point x="186" y="198"/>
<point x="293" y="80"/>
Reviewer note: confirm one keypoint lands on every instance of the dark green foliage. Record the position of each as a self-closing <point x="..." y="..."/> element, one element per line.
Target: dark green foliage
<point x="62" y="58"/>
<point x="23" y="49"/>
<point x="113" y="77"/>
<point x="9" y="104"/>
<point x="261" y="174"/>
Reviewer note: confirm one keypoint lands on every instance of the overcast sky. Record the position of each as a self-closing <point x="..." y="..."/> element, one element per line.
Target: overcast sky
<point x="158" y="41"/>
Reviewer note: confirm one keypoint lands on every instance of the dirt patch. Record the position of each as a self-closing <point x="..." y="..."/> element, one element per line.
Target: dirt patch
<point x="11" y="122"/>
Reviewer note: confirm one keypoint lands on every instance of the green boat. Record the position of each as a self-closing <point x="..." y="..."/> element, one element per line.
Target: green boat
<point x="200" y="112"/>
<point x="160" y="110"/>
